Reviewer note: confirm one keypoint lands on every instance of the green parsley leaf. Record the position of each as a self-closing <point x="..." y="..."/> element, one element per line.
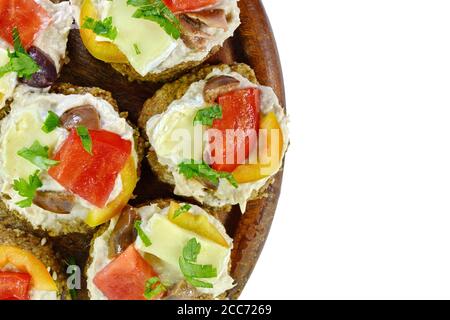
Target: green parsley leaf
<point x="208" y="115"/>
<point x="192" y="271"/>
<point x="157" y="11"/>
<point x="103" y="28"/>
<point x="182" y="210"/>
<point x="85" y="137"/>
<point x="37" y="154"/>
<point x="191" y="250"/>
<point x="51" y="122"/>
<point x="136" y="49"/>
<point x="19" y="60"/>
<point x="145" y="239"/>
<point x="27" y="189"/>
<point x="192" y="169"/>
<point x="153" y="288"/>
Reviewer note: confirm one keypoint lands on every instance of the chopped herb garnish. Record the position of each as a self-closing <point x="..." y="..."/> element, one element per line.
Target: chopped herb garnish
<point x="27" y="189"/>
<point x="19" y="60"/>
<point x="145" y="239"/>
<point x="191" y="271"/>
<point x="208" y="115"/>
<point x="191" y="169"/>
<point x="182" y="210"/>
<point x="157" y="11"/>
<point x="85" y="137"/>
<point x="136" y="49"/>
<point x="103" y="28"/>
<point x="153" y="288"/>
<point x="51" y="122"/>
<point x="37" y="154"/>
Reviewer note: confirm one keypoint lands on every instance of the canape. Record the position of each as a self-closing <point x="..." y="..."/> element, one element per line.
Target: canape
<point x="68" y="159"/>
<point x="29" y="268"/>
<point x="183" y="33"/>
<point x="216" y="135"/>
<point x="33" y="39"/>
<point x="164" y="250"/>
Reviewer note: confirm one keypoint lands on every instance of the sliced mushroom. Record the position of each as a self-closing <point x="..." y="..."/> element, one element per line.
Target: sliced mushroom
<point x="217" y="86"/>
<point x="192" y="34"/>
<point x="215" y="18"/>
<point x="55" y="201"/>
<point x="85" y="115"/>
<point x="124" y="233"/>
<point x="183" y="291"/>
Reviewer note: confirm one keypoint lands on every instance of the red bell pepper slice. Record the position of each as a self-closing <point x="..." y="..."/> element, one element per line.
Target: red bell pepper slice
<point x="125" y="277"/>
<point x="178" y="6"/>
<point x="240" y="111"/>
<point x="92" y="177"/>
<point x="26" y="15"/>
<point x="14" y="286"/>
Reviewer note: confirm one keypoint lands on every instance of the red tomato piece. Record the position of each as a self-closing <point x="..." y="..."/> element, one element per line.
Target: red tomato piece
<point x="240" y="111"/>
<point x="28" y="16"/>
<point x="14" y="286"/>
<point x="178" y="6"/>
<point x="125" y="277"/>
<point x="92" y="177"/>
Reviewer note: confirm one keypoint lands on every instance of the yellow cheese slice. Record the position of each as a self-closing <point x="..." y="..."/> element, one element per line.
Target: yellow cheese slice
<point x="143" y="42"/>
<point x="168" y="241"/>
<point x="22" y="133"/>
<point x="8" y="81"/>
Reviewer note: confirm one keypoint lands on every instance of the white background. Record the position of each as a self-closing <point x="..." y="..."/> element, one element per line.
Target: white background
<point x="365" y="206"/>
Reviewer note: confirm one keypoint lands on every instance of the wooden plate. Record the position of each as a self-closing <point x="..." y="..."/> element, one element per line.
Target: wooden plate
<point x="253" y="44"/>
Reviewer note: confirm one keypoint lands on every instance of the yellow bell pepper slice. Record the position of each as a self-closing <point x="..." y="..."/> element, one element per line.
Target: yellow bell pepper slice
<point x="102" y="50"/>
<point x="25" y="261"/>
<point x="254" y="172"/>
<point x="196" y="223"/>
<point x="128" y="175"/>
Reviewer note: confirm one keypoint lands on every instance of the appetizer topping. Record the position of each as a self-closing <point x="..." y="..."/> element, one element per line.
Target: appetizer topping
<point x="51" y="122"/>
<point x="124" y="232"/>
<point x="154" y="288"/>
<point x="37" y="154"/>
<point x="85" y="137"/>
<point x="197" y="223"/>
<point x="19" y="60"/>
<point x="240" y="109"/>
<point x="183" y="209"/>
<point x="85" y="115"/>
<point x="207" y="115"/>
<point x="26" y="262"/>
<point x="28" y="16"/>
<point x="91" y="176"/>
<point x="105" y="51"/>
<point x="46" y="75"/>
<point x="14" y="286"/>
<point x="27" y="189"/>
<point x="212" y="18"/>
<point x="157" y="11"/>
<point x="192" y="34"/>
<point x="192" y="169"/>
<point x="128" y="176"/>
<point x="144" y="238"/>
<point x="183" y="291"/>
<point x="217" y="86"/>
<point x="125" y="278"/>
<point x="178" y="6"/>
<point x="191" y="271"/>
<point x="103" y="28"/>
<point x="55" y="201"/>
